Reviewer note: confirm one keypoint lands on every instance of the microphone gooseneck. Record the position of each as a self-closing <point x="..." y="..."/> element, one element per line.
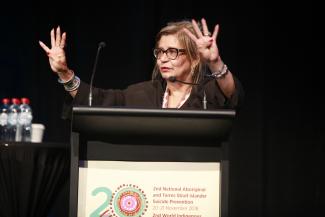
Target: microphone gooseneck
<point x="173" y="79"/>
<point x="100" y="46"/>
<point x="204" y="100"/>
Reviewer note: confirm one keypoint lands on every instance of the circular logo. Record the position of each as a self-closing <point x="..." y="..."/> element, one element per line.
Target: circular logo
<point x="129" y="200"/>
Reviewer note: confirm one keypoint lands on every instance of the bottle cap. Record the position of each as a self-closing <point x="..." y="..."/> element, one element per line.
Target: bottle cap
<point x="15" y="101"/>
<point x="25" y="100"/>
<point x="5" y="101"/>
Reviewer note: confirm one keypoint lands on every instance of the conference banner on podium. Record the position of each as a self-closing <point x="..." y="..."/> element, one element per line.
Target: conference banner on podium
<point x="155" y="189"/>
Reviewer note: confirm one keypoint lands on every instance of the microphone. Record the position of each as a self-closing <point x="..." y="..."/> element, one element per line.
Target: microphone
<point x="100" y="46"/>
<point x="204" y="100"/>
<point x="173" y="79"/>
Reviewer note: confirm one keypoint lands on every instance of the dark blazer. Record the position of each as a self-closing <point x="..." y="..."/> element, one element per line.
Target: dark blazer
<point x="149" y="94"/>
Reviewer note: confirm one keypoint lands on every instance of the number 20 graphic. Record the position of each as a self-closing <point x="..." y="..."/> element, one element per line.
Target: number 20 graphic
<point x="97" y="212"/>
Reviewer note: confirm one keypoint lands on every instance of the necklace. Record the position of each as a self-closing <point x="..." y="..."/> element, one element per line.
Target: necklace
<point x="185" y="96"/>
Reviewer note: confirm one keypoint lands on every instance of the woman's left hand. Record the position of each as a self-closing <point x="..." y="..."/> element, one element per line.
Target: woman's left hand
<point x="205" y="42"/>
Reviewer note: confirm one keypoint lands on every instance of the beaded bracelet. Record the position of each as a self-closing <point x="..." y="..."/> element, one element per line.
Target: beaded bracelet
<point x="221" y="73"/>
<point x="72" y="84"/>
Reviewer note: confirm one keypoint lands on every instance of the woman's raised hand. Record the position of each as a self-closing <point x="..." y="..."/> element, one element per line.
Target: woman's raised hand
<point x="205" y="42"/>
<point x="56" y="54"/>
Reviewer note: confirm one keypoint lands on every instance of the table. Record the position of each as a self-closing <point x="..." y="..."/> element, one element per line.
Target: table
<point x="31" y="176"/>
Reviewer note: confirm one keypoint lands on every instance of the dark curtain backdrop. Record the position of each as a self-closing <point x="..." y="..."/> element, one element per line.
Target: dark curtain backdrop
<point x="277" y="146"/>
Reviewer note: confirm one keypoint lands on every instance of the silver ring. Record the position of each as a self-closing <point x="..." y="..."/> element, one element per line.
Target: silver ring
<point x="208" y="34"/>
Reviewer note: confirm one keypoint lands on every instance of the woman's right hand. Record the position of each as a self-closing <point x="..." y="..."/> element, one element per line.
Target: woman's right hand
<point x="56" y="54"/>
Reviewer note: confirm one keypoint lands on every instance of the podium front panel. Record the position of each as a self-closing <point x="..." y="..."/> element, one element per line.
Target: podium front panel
<point x="149" y="188"/>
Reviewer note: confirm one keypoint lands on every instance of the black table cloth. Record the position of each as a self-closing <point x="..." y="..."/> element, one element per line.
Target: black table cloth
<point x="31" y="176"/>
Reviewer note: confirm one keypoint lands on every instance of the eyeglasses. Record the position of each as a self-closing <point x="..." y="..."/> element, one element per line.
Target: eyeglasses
<point x="172" y="53"/>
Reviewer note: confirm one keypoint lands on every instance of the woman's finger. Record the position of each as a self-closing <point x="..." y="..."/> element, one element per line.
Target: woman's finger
<point x="63" y="40"/>
<point x="190" y="34"/>
<point x="45" y="48"/>
<point x="205" y="28"/>
<point x="196" y="29"/>
<point x="52" y="38"/>
<point x="215" y="32"/>
<point x="58" y="37"/>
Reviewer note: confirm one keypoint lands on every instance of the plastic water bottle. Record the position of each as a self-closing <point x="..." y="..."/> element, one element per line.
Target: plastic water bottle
<point x="4" y="119"/>
<point x="14" y="110"/>
<point x="25" y="118"/>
